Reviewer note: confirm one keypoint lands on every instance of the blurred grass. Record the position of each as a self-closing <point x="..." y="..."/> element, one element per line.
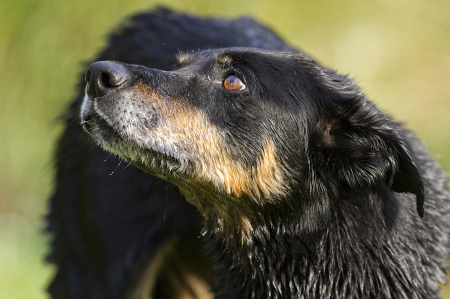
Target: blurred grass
<point x="398" y="50"/>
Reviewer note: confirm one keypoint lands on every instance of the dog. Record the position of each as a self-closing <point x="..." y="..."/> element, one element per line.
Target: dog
<point x="302" y="187"/>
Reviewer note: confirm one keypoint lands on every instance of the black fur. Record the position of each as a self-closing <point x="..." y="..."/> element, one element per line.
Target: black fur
<point x="346" y="222"/>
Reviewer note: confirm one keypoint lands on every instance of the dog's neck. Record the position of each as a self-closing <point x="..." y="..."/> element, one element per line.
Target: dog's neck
<point x="258" y="254"/>
<point x="303" y="257"/>
<point x="268" y="260"/>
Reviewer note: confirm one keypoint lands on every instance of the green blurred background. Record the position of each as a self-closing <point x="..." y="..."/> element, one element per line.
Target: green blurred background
<point x="399" y="51"/>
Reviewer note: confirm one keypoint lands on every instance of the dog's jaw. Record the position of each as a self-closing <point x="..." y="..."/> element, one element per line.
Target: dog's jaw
<point x="152" y="154"/>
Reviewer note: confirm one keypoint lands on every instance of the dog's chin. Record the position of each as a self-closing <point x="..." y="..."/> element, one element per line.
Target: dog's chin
<point x="154" y="162"/>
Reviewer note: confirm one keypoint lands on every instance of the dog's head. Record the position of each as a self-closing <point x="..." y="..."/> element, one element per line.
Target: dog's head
<point x="246" y="127"/>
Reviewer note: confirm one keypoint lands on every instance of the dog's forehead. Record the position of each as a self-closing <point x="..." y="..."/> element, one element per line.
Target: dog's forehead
<point x="195" y="58"/>
<point x="227" y="57"/>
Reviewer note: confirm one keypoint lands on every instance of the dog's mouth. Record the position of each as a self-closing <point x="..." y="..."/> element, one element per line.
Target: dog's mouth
<point x="151" y="157"/>
<point x="122" y="114"/>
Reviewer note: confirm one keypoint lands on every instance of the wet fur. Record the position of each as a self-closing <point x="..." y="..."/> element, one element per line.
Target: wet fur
<point x="322" y="193"/>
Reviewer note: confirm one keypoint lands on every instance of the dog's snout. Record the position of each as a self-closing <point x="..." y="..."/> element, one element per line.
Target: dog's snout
<point x="104" y="76"/>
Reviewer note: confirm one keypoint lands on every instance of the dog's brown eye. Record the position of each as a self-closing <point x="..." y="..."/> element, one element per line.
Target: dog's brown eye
<point x="233" y="83"/>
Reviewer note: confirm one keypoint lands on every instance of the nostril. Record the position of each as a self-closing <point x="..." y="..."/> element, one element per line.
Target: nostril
<point x="106" y="80"/>
<point x="105" y="76"/>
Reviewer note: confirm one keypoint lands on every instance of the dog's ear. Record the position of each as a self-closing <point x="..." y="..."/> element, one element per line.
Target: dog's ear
<point x="357" y="145"/>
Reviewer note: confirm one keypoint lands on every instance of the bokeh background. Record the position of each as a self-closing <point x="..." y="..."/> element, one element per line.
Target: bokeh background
<point x="399" y="51"/>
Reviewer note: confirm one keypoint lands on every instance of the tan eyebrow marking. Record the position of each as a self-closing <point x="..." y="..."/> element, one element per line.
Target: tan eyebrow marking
<point x="225" y="60"/>
<point x="182" y="57"/>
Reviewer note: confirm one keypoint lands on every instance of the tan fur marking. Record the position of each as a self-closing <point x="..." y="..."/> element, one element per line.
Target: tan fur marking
<point x="147" y="280"/>
<point x="263" y="181"/>
<point x="181" y="279"/>
<point x="225" y="60"/>
<point x="185" y="128"/>
<point x="182" y="57"/>
<point x="192" y="286"/>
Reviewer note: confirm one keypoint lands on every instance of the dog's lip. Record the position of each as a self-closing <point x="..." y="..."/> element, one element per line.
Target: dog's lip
<point x="87" y="126"/>
<point x="93" y="121"/>
<point x="86" y="113"/>
<point x="87" y="117"/>
<point x="90" y="117"/>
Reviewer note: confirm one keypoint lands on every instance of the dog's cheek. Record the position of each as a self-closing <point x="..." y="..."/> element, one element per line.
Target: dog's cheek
<point x="261" y="182"/>
<point x="188" y="129"/>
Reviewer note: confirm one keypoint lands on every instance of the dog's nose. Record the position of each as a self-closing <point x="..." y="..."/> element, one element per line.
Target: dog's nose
<point x="104" y="76"/>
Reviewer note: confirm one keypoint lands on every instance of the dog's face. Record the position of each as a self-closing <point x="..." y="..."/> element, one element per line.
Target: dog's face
<point x="244" y="126"/>
<point x="216" y="121"/>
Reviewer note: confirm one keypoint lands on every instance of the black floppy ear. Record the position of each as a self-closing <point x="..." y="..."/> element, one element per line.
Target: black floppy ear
<point x="356" y="145"/>
<point x="407" y="179"/>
